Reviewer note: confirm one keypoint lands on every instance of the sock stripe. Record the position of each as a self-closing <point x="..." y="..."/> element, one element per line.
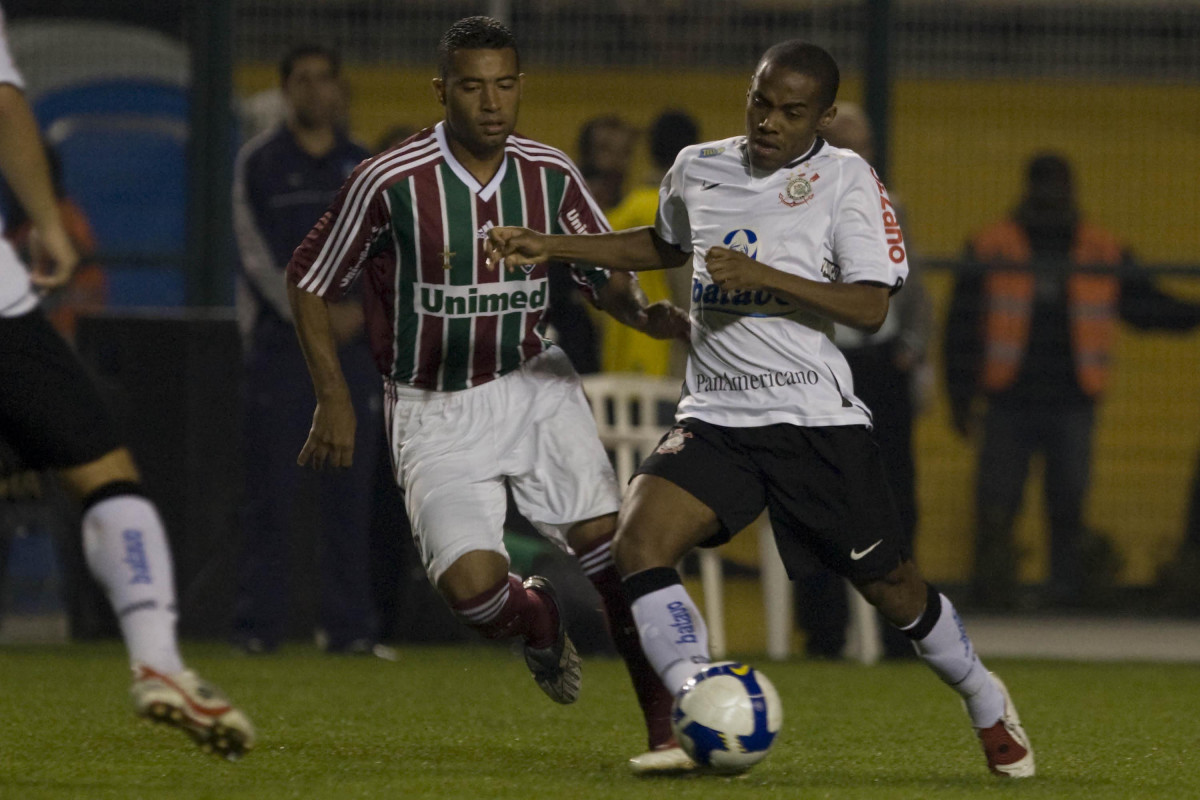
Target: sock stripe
<point x="597" y="559"/>
<point x="921" y="627"/>
<point x="640" y="584"/>
<point x="111" y="490"/>
<point x="488" y="609"/>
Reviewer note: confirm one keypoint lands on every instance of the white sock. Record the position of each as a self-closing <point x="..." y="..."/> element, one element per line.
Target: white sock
<point x="948" y="651"/>
<point x="126" y="550"/>
<point x="673" y="634"/>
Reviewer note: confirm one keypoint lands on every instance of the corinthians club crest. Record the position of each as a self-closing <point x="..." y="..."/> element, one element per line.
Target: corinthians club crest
<point x="799" y="189"/>
<point x="674" y="441"/>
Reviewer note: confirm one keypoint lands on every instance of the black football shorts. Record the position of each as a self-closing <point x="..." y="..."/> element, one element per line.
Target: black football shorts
<point x="50" y="411"/>
<point x="824" y="488"/>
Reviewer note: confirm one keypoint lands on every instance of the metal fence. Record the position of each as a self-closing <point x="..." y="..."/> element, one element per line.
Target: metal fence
<point x="1095" y="40"/>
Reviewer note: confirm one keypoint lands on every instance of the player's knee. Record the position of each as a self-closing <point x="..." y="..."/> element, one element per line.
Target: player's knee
<point x="584" y="535"/>
<point x="115" y="467"/>
<point x="472" y="574"/>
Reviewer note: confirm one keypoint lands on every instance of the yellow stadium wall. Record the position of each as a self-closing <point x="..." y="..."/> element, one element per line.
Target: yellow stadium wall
<point x="958" y="149"/>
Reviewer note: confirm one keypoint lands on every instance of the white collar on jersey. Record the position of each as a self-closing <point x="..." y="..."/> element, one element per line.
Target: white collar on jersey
<point x="744" y="147"/>
<point x="484" y="192"/>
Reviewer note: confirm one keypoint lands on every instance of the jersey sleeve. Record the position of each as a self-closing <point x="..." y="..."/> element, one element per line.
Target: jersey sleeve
<point x="580" y="213"/>
<point x="672" y="223"/>
<point x="8" y="68"/>
<point x="354" y="229"/>
<point x="868" y="245"/>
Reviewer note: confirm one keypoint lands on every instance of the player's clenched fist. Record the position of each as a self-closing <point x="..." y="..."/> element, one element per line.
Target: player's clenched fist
<point x="734" y="271"/>
<point x="514" y="246"/>
<point x="53" y="257"/>
<point x="331" y="438"/>
<point x="665" y="320"/>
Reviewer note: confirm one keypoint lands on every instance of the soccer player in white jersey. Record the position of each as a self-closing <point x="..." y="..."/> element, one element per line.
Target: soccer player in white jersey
<point x="789" y="236"/>
<point x="51" y="414"/>
<point x="476" y="398"/>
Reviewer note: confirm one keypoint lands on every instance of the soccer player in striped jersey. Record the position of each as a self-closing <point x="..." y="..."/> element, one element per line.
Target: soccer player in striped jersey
<point x="787" y="235"/>
<point x="476" y="398"/>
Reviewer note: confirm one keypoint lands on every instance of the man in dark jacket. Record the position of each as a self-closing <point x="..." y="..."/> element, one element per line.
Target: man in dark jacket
<point x="1032" y="330"/>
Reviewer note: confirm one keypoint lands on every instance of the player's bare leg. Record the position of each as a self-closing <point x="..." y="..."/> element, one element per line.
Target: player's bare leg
<point x="929" y="619"/>
<point x="126" y="550"/>
<point x="592" y="542"/>
<point x="658" y="524"/>
<point x="498" y="605"/>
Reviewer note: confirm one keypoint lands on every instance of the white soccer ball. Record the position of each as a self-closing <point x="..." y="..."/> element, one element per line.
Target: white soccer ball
<point x="726" y="716"/>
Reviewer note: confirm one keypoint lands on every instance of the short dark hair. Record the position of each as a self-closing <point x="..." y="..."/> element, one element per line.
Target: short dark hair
<point x="806" y="58"/>
<point x="307" y="50"/>
<point x="475" y="33"/>
<point x="670" y="132"/>
<point x="586" y="143"/>
<point x="1048" y="168"/>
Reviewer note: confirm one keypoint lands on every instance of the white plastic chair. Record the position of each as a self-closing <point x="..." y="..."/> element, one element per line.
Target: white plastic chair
<point x="629" y="412"/>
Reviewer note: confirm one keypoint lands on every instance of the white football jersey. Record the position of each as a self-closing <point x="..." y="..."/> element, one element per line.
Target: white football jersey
<point x="16" y="293"/>
<point x="756" y="359"/>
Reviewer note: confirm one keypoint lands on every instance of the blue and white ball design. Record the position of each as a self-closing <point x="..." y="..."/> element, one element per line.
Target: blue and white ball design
<point x="726" y="716"/>
<point x="744" y="241"/>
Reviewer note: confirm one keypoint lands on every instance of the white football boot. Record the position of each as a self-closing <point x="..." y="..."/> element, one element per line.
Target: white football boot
<point x="667" y="760"/>
<point x="1005" y="744"/>
<point x="186" y="701"/>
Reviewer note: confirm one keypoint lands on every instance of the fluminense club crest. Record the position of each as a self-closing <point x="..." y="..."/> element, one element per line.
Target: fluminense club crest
<point x="799" y="189"/>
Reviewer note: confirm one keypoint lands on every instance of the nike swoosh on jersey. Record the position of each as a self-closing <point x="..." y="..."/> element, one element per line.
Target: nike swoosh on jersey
<point x="706" y="185"/>
<point x="856" y="555"/>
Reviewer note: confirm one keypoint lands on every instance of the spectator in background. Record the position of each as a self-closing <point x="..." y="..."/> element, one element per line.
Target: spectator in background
<point x="605" y="147"/>
<point x="1033" y="335"/>
<point x="284" y="180"/>
<point x="886" y="366"/>
<point x="621" y="349"/>
<point x="87" y="290"/>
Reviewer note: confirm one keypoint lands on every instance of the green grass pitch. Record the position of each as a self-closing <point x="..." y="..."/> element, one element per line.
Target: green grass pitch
<point x="468" y="722"/>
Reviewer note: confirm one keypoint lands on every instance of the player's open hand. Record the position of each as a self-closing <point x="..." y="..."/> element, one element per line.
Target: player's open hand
<point x="515" y="247"/>
<point x="734" y="271"/>
<point x="53" y="257"/>
<point x="331" y="438"/>
<point x="665" y="320"/>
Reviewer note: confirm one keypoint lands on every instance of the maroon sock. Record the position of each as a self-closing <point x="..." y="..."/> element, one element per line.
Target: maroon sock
<point x="509" y="609"/>
<point x="652" y="696"/>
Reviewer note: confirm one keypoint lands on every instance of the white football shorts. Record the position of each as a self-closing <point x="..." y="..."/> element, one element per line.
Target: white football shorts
<point x="452" y="453"/>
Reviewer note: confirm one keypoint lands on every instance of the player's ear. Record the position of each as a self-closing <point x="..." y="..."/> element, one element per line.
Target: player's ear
<point x="439" y="90"/>
<point x="827" y="117"/>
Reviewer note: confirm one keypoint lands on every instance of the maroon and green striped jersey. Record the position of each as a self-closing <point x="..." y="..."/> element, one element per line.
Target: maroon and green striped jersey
<point x="411" y="221"/>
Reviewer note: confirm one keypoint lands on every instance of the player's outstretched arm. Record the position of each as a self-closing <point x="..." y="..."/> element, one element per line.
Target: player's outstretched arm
<point x="331" y="438"/>
<point x="630" y="250"/>
<point x="623" y="300"/>
<point x="23" y="164"/>
<point x="862" y="306"/>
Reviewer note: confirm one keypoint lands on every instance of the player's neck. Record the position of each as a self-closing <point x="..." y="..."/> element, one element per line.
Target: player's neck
<point x="316" y="141"/>
<point x="482" y="166"/>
